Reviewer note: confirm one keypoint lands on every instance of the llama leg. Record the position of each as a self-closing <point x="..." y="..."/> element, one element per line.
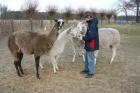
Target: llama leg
<point x="20" y="56"/>
<point x="41" y="66"/>
<point x="57" y="68"/>
<point x="83" y="57"/>
<point x="37" y="66"/>
<point x="80" y="52"/>
<point x="96" y="55"/>
<point x="16" y="66"/>
<point x="73" y="60"/>
<point x="113" y="54"/>
<point x="83" y="52"/>
<point x="54" y="68"/>
<point x="54" y="64"/>
<point x="16" y="63"/>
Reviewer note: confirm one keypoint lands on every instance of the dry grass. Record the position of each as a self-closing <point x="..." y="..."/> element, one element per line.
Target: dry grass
<point x="122" y="76"/>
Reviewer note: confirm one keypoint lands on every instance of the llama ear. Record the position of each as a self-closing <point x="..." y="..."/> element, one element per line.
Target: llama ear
<point x="55" y="20"/>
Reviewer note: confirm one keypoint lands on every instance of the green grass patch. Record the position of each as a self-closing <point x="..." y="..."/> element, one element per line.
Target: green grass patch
<point x="124" y="29"/>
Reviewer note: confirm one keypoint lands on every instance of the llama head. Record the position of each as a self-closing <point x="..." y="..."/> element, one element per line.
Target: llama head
<point x="79" y="28"/>
<point x="59" y="23"/>
<point x="71" y="32"/>
<point x="82" y="26"/>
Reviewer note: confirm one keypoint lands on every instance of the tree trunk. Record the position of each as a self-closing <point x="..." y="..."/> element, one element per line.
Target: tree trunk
<point x="126" y="19"/>
<point x="101" y="21"/>
<point x="115" y="20"/>
<point x="108" y="20"/>
<point x="41" y="23"/>
<point x="0" y="25"/>
<point x="31" y="23"/>
<point x="137" y="13"/>
<point x="126" y="16"/>
<point x="12" y="25"/>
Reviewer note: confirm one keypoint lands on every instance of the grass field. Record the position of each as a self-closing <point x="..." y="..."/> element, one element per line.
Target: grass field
<point x="125" y="29"/>
<point x="122" y="76"/>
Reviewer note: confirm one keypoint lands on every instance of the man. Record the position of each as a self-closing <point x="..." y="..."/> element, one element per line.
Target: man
<point x="91" y="44"/>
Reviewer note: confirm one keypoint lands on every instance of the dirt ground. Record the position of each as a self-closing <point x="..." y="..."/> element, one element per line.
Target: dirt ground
<point x="122" y="76"/>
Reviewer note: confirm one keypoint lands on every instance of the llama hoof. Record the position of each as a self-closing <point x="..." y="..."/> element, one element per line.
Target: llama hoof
<point x="38" y="77"/>
<point x="57" y="68"/>
<point x="73" y="60"/>
<point x="41" y="66"/>
<point x="22" y="72"/>
<point x="110" y="62"/>
<point x="19" y="75"/>
<point x="54" y="72"/>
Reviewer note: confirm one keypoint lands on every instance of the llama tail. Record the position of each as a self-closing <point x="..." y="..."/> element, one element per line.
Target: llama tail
<point x="12" y="45"/>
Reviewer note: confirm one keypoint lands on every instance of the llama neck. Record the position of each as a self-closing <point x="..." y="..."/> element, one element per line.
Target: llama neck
<point x="55" y="28"/>
<point x="62" y="39"/>
<point x="53" y="35"/>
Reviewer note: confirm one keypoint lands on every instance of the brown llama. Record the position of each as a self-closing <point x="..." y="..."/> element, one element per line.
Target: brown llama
<point x="30" y="43"/>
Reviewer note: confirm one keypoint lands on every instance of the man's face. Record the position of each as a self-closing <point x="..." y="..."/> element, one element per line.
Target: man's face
<point x="87" y="19"/>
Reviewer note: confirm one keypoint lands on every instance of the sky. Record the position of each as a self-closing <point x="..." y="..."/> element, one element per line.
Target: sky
<point x="98" y="4"/>
<point x="61" y="4"/>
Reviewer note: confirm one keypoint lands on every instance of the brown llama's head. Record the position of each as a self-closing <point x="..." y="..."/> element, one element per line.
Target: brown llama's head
<point x="59" y="23"/>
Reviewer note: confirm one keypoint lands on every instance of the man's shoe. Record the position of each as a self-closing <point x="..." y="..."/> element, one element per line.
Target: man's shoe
<point x="84" y="72"/>
<point x="89" y="75"/>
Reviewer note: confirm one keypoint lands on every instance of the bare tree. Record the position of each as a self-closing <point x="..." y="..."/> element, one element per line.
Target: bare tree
<point x="114" y="14"/>
<point x="12" y="25"/>
<point x="31" y="10"/>
<point x="88" y="12"/>
<point x="3" y="11"/>
<point x="124" y="6"/>
<point x="51" y="11"/>
<point x="0" y="18"/>
<point x="0" y="10"/>
<point x="68" y="12"/>
<point x="109" y="14"/>
<point x="102" y="16"/>
<point x="81" y="12"/>
<point x="138" y="11"/>
<point x="136" y="4"/>
<point x="93" y="12"/>
<point x="5" y="25"/>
